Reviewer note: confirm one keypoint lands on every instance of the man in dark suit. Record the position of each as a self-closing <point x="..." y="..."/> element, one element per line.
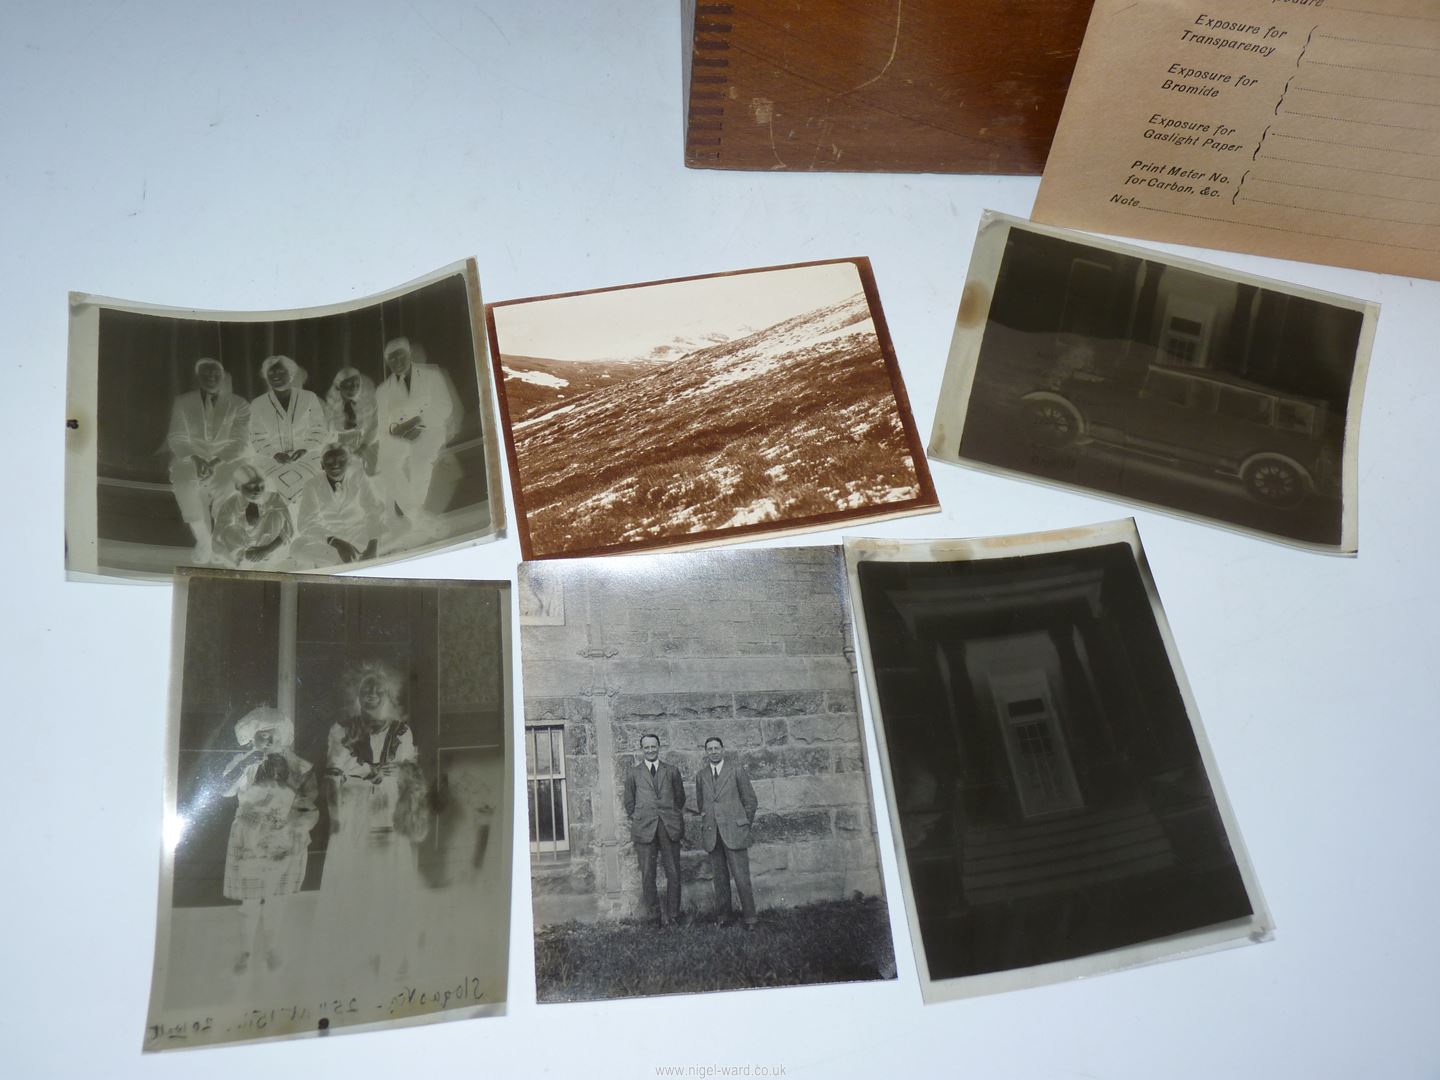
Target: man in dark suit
<point x="727" y="804"/>
<point x="654" y="802"/>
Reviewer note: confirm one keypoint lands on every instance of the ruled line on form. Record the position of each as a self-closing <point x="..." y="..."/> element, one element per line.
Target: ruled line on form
<point x="1381" y="71"/>
<point x="1387" y="14"/>
<point x="1386" y="44"/>
<point x="1294" y="232"/>
<point x="1343" y="213"/>
<point x="1352" y="146"/>
<point x="1345" y="191"/>
<point x="1367" y="97"/>
<point x="1351" y="120"/>
<point x="1350" y="168"/>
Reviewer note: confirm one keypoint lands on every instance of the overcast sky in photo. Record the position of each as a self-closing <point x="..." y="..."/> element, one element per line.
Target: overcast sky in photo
<point x="627" y="323"/>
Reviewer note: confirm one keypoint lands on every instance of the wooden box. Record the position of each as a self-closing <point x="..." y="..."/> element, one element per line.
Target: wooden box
<point x="966" y="86"/>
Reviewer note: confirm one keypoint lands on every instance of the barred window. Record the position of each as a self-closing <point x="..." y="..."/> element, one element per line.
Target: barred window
<point x="1184" y="341"/>
<point x="545" y="787"/>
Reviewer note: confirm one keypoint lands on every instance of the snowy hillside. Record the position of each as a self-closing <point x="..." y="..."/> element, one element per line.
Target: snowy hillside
<point x="792" y="421"/>
<point x="534" y="385"/>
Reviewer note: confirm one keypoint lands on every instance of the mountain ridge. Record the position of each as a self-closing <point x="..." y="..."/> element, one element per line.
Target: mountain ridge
<point x="796" y="420"/>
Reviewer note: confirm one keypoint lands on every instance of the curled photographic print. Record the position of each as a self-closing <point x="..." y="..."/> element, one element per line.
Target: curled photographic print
<point x="1056" y="809"/>
<point x="337" y="839"/>
<point x="704" y="410"/>
<point x="1166" y="382"/>
<point x="308" y="440"/>
<point x="700" y="814"/>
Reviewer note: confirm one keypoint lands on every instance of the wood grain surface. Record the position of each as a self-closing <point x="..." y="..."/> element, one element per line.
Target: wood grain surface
<point x="969" y="86"/>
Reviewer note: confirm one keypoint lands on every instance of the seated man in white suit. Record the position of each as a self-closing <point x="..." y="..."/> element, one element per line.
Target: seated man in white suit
<point x="209" y="435"/>
<point x="287" y="428"/>
<point x="416" y="407"/>
<point x="340" y="516"/>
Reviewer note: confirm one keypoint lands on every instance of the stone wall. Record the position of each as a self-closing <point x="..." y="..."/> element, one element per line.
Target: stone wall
<point x="750" y="646"/>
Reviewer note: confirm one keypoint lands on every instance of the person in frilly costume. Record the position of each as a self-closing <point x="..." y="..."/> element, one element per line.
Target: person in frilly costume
<point x="269" y="844"/>
<point x="252" y="524"/>
<point x="379" y="811"/>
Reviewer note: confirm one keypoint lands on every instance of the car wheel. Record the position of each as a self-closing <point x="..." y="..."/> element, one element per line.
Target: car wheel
<point x="1051" y="423"/>
<point x="1275" y="481"/>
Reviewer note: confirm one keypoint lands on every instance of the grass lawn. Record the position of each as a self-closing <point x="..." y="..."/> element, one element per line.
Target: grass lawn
<point x="834" y="941"/>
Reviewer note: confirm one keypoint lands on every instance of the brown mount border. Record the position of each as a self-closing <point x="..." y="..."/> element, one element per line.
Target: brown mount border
<point x="925" y="502"/>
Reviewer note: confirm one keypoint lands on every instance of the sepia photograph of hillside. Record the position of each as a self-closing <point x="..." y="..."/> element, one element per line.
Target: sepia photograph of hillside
<point x="703" y="410"/>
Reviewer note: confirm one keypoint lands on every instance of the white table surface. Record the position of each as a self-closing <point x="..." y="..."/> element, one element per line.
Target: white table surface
<point x="265" y="155"/>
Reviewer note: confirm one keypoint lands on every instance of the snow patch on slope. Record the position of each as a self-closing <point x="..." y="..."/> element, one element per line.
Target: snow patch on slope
<point x="539" y="378"/>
